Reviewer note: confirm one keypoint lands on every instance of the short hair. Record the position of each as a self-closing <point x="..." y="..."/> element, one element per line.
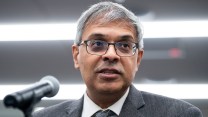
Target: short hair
<point x="108" y="12"/>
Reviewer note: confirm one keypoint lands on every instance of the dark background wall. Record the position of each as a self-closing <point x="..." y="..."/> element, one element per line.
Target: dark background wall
<point x="166" y="60"/>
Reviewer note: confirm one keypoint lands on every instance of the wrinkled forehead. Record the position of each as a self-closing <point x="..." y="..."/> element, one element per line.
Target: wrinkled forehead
<point x="102" y="21"/>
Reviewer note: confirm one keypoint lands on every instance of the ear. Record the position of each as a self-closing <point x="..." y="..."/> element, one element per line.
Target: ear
<point x="140" y="55"/>
<point x="75" y="53"/>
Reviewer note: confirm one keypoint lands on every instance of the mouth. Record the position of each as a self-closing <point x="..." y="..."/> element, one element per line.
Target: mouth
<point x="109" y="73"/>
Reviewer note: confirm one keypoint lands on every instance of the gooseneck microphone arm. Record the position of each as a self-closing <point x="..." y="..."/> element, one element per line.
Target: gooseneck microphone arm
<point x="27" y="98"/>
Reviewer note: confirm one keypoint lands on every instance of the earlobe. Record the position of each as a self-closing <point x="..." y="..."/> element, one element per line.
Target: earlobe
<point x="75" y="53"/>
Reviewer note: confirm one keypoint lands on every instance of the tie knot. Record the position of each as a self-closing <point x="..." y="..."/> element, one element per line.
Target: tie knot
<point x="106" y="113"/>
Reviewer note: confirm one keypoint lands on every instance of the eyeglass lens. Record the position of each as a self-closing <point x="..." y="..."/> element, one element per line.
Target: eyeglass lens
<point x="123" y="48"/>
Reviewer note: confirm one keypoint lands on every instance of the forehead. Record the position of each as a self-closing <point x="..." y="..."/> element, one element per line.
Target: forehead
<point x="110" y="28"/>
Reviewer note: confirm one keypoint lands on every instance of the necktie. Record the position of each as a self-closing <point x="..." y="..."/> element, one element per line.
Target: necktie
<point x="106" y="113"/>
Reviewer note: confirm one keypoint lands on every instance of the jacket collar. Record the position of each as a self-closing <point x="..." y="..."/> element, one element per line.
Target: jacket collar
<point x="133" y="103"/>
<point x="75" y="108"/>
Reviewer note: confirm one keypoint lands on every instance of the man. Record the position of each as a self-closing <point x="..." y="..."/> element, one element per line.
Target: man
<point x="108" y="50"/>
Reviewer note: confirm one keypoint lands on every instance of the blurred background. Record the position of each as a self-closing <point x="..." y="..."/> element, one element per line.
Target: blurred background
<point x="36" y="38"/>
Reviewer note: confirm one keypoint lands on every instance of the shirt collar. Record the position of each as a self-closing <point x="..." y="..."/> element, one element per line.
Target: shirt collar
<point x="89" y="107"/>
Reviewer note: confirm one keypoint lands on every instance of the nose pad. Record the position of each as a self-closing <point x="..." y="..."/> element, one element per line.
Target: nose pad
<point x="111" y="54"/>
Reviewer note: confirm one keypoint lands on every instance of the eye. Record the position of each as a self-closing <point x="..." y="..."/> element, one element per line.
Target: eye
<point x="124" y="45"/>
<point x="97" y="43"/>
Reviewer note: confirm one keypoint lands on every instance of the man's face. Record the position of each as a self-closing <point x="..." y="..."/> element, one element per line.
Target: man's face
<point x="108" y="73"/>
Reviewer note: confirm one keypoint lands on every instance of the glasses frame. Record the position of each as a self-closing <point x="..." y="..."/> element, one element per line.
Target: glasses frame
<point x="114" y="44"/>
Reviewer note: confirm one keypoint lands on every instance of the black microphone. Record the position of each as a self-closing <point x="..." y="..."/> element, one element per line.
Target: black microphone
<point x="48" y="86"/>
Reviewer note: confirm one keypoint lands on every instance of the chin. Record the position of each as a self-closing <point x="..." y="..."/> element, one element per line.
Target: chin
<point x="112" y="88"/>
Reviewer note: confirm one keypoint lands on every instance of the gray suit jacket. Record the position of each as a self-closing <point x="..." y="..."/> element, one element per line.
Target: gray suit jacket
<point x="137" y="104"/>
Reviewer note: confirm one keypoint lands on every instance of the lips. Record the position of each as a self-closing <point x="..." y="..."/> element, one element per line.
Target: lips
<point x="109" y="73"/>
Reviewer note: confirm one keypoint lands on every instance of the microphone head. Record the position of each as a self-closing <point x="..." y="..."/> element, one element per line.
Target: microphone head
<point x="53" y="82"/>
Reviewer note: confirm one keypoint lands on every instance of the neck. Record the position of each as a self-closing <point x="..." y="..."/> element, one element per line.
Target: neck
<point x="104" y="100"/>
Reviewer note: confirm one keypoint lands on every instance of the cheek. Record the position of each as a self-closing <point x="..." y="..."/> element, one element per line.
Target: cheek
<point x="83" y="61"/>
<point x="130" y="67"/>
<point x="85" y="69"/>
<point x="87" y="64"/>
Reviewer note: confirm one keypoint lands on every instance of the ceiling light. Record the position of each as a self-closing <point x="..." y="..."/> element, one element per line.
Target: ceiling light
<point x="75" y="91"/>
<point x="37" y="32"/>
<point x="175" y="29"/>
<point x="67" y="31"/>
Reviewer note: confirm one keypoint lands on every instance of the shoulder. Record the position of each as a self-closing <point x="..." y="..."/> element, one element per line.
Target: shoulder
<point x="160" y="100"/>
<point x="55" y="110"/>
<point x="170" y="106"/>
<point x="154" y="105"/>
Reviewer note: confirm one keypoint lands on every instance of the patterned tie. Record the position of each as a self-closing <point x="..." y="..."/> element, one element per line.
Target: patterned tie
<point x="106" y="113"/>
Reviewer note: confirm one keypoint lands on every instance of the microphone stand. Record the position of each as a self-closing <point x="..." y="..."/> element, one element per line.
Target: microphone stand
<point x="28" y="109"/>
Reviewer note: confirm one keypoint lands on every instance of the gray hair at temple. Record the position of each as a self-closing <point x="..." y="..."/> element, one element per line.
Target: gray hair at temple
<point x="108" y="12"/>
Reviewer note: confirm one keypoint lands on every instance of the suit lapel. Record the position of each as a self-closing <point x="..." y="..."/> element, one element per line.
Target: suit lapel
<point x="75" y="108"/>
<point x="133" y="103"/>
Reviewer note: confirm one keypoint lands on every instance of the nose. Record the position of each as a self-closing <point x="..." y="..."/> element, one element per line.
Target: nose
<point x="111" y="54"/>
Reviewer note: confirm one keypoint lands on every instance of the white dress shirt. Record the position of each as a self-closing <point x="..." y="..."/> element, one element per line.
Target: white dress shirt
<point x="89" y="107"/>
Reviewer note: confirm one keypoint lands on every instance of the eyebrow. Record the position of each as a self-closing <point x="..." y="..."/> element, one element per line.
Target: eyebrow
<point x="95" y="35"/>
<point x="126" y="38"/>
<point x="120" y="38"/>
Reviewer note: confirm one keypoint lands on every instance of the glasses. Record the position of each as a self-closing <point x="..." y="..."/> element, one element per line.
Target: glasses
<point x="99" y="47"/>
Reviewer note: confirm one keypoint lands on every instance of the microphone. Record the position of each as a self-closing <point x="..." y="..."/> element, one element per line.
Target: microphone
<point x="48" y="86"/>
